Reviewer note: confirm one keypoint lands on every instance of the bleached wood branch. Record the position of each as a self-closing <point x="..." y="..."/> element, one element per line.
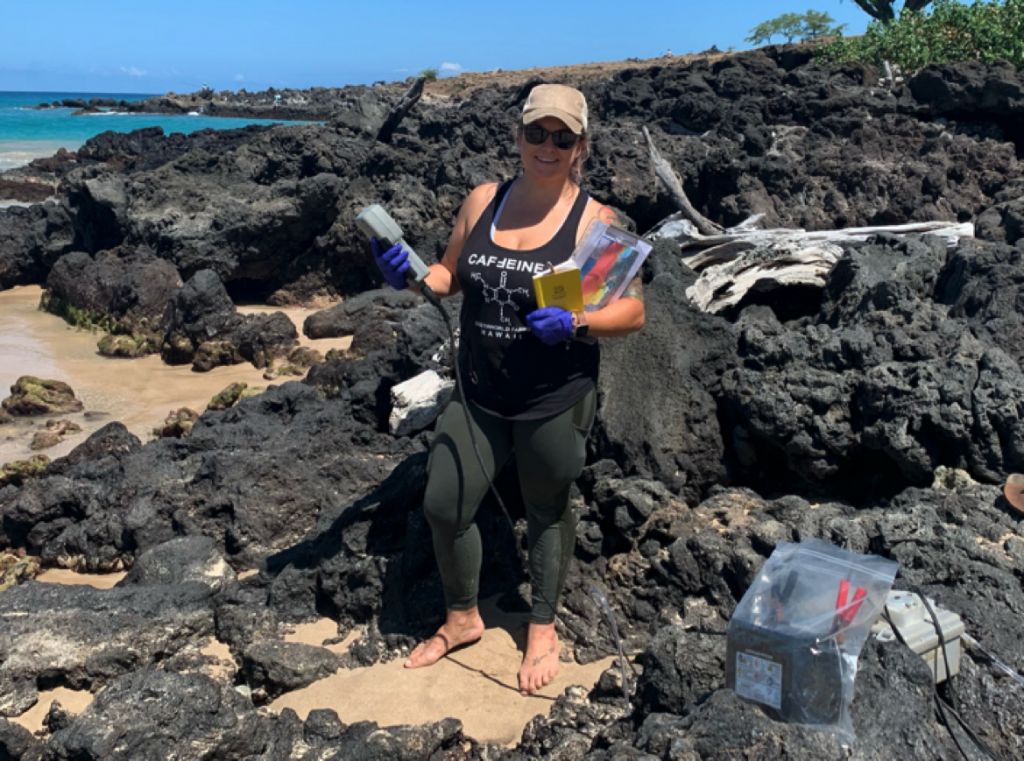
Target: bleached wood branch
<point x="664" y="171"/>
<point x="732" y="263"/>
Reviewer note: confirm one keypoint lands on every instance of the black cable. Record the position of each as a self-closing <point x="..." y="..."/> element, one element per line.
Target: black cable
<point x="951" y="706"/>
<point x="938" y="631"/>
<point x="434" y="299"/>
<point x="935" y="693"/>
<point x="941" y="706"/>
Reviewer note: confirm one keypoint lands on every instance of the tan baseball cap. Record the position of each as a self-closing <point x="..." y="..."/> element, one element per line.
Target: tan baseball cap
<point x="566" y="104"/>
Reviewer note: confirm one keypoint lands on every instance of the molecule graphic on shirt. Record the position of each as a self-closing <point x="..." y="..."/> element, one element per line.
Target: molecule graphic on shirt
<point x="501" y="295"/>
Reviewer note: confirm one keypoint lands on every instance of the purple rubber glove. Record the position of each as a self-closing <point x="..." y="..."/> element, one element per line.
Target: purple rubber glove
<point x="393" y="264"/>
<point x="552" y="325"/>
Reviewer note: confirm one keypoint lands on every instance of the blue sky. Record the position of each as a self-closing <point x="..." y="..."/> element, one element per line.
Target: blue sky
<point x="157" y="46"/>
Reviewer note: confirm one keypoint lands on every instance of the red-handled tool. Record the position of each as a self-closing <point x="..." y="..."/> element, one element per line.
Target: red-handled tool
<point x="847" y="611"/>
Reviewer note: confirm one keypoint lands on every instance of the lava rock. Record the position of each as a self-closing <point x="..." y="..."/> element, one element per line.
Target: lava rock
<point x="31" y="239"/>
<point x="278" y="667"/>
<point x="681" y="669"/>
<point x="201" y="326"/>
<point x="84" y="637"/>
<point x="124" y="290"/>
<point x="343" y="318"/>
<point x="37" y="396"/>
<point x="155" y="714"/>
<point x="179" y="561"/>
<point x="18" y="744"/>
<point x="255" y="477"/>
<point x="679" y="442"/>
<point x="983" y="284"/>
<point x="874" y="395"/>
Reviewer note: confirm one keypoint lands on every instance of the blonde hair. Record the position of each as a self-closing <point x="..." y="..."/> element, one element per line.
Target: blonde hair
<point x="576" y="172"/>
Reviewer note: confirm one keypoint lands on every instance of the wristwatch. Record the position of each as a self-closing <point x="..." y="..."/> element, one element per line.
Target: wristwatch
<point x="580" y="329"/>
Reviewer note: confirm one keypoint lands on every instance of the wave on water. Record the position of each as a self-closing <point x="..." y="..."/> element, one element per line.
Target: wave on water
<point x="15" y="153"/>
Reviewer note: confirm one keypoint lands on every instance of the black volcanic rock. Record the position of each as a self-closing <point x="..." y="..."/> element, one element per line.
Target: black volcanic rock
<point x="180" y="561"/>
<point x="18" y="744"/>
<point x="680" y="670"/>
<point x="983" y="284"/>
<point x="971" y="87"/>
<point x="83" y="637"/>
<point x="277" y="667"/>
<point x="342" y="319"/>
<point x="201" y="310"/>
<point x="253" y="477"/>
<point x="883" y="388"/>
<point x="31" y="240"/>
<point x="155" y="714"/>
<point x="201" y="326"/>
<point x="670" y="369"/>
<point x="393" y="340"/>
<point x="123" y="290"/>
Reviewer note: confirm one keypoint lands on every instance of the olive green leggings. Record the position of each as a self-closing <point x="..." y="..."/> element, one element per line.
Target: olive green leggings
<point x="550" y="454"/>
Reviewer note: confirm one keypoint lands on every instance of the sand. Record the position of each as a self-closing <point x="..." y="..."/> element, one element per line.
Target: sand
<point x="137" y="392"/>
<point x="64" y="576"/>
<point x="476" y="685"/>
<point x="73" y="701"/>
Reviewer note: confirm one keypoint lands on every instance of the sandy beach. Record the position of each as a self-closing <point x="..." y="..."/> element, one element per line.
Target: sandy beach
<point x="137" y="392"/>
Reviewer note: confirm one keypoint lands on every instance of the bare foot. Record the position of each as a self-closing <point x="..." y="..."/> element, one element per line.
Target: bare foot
<point x="540" y="661"/>
<point x="461" y="627"/>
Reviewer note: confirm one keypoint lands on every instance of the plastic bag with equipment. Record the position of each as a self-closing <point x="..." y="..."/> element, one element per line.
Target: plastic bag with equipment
<point x="794" y="638"/>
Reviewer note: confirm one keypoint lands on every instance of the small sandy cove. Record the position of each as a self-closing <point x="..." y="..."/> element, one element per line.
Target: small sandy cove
<point x="476" y="685"/>
<point x="138" y="392"/>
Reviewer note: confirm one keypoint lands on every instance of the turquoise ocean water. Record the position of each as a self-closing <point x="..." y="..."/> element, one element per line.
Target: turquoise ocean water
<point x="26" y="133"/>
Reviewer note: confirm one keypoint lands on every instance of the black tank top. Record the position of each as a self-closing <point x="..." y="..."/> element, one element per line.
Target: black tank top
<point x="506" y="369"/>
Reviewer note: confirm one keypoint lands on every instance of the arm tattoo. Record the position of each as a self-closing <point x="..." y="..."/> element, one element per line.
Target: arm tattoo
<point x="607" y="215"/>
<point x="635" y="290"/>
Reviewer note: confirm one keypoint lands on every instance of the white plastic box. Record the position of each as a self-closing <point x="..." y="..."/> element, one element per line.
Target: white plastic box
<point x="915" y="625"/>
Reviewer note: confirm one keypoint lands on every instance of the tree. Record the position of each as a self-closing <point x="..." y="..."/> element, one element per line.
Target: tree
<point x="792" y="26"/>
<point x="883" y="10"/>
<point x="818" y="24"/>
<point x="787" y="25"/>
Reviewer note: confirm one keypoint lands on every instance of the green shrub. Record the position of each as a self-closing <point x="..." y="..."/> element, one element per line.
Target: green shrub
<point x="952" y="31"/>
<point x="429" y="74"/>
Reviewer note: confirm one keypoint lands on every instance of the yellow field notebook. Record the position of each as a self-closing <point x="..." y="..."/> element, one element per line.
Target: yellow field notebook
<point x="559" y="287"/>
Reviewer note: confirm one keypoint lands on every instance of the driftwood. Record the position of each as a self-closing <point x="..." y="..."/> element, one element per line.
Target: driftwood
<point x="664" y="171"/>
<point x="396" y="114"/>
<point x="743" y="259"/>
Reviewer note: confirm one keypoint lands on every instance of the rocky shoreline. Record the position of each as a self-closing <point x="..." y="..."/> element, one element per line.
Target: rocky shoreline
<point x="881" y="412"/>
<point x="286" y="104"/>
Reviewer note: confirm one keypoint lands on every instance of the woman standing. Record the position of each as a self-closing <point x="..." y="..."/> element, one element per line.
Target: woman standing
<point x="530" y="374"/>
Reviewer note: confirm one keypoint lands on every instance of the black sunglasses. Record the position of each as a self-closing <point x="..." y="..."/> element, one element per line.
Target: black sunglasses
<point x="564" y="139"/>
